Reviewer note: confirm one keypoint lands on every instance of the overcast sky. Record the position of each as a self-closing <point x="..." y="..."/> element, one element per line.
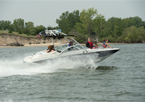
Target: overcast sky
<point x="45" y="12"/>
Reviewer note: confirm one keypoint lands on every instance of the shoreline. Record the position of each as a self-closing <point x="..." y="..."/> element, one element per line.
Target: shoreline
<point x="56" y="44"/>
<point x="30" y="45"/>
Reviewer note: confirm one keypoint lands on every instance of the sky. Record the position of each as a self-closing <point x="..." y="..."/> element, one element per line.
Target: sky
<point x="45" y="12"/>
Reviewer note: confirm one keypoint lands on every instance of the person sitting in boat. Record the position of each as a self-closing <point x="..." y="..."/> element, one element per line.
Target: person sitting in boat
<point x="96" y="45"/>
<point x="70" y="43"/>
<point x="89" y="44"/>
<point x="105" y="44"/>
<point x="50" y="49"/>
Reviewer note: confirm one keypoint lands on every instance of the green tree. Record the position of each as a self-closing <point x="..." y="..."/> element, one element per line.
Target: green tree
<point x="86" y="19"/>
<point x="91" y="24"/>
<point x="85" y="27"/>
<point x="133" y="35"/>
<point x="73" y="18"/>
<point x="99" y="24"/>
<point x="62" y="21"/>
<point x="138" y="21"/>
<point x="132" y="21"/>
<point x="114" y="27"/>
<point x="39" y="29"/>
<point x="50" y="28"/>
<point x="141" y="34"/>
<point x="29" y="28"/>
<point x="5" y="25"/>
<point x="2" y="25"/>
<point x="29" y="24"/>
<point x="67" y="20"/>
<point x="18" y="25"/>
<point x="143" y="24"/>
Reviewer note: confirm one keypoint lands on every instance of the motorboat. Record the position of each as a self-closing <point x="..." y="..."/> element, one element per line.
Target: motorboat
<point x="76" y="51"/>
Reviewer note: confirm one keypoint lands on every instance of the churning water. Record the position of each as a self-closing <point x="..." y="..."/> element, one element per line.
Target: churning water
<point x="119" y="78"/>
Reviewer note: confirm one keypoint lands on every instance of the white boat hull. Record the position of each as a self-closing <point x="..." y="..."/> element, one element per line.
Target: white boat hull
<point x="96" y="54"/>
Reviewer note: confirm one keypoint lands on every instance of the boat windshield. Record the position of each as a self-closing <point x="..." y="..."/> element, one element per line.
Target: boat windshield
<point x="65" y="48"/>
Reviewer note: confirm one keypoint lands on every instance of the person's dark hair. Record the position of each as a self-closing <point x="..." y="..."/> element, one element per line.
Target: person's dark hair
<point x="105" y="40"/>
<point x="70" y="42"/>
<point x="51" y="47"/>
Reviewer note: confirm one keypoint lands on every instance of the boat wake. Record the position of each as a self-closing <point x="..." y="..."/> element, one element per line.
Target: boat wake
<point x="17" y="67"/>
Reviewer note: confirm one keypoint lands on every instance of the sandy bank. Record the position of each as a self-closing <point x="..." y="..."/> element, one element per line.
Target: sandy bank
<point x="32" y="45"/>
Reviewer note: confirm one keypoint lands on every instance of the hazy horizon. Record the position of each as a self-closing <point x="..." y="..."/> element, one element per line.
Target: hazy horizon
<point x="46" y="12"/>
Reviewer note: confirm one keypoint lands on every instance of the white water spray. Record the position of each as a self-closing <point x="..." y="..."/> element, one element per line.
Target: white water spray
<point x="17" y="67"/>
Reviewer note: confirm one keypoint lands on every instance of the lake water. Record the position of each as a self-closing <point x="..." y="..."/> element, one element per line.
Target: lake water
<point x="119" y="78"/>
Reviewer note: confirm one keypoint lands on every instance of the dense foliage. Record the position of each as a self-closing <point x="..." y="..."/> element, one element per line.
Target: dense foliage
<point x="20" y="26"/>
<point x="87" y="23"/>
<point x="68" y="20"/>
<point x="92" y="24"/>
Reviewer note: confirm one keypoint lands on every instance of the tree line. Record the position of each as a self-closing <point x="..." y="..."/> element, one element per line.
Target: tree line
<point x="84" y="24"/>
<point x="88" y="23"/>
<point x="20" y="26"/>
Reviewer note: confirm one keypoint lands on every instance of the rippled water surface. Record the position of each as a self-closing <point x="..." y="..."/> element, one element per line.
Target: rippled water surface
<point x="119" y="78"/>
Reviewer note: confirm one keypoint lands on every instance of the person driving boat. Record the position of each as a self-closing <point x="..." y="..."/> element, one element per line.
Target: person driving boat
<point x="70" y="43"/>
